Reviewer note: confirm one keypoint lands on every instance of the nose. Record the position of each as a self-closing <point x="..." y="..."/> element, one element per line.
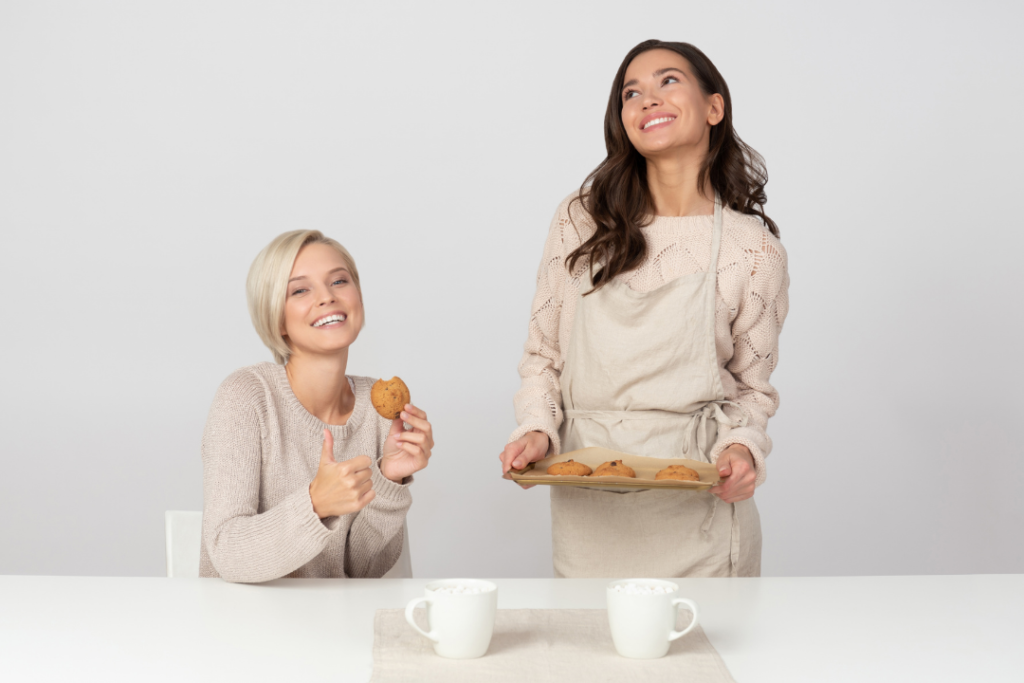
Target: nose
<point x="651" y="100"/>
<point x="326" y="298"/>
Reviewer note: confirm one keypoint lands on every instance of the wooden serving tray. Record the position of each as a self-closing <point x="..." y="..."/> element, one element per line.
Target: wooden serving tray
<point x="645" y="468"/>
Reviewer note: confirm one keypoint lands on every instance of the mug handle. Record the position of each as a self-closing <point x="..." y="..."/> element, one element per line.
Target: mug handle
<point x="433" y="634"/>
<point x="693" y="608"/>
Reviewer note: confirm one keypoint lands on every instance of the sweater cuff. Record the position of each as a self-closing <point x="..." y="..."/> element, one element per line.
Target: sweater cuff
<point x="388" y="491"/>
<point x="733" y="438"/>
<point x="555" y="447"/>
<point x="300" y="505"/>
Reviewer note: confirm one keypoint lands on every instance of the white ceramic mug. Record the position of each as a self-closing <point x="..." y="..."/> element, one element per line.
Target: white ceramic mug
<point x="460" y="623"/>
<point x="643" y="625"/>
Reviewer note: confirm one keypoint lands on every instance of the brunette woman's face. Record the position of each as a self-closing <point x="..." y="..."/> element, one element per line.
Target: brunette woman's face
<point x="324" y="309"/>
<point x="663" y="109"/>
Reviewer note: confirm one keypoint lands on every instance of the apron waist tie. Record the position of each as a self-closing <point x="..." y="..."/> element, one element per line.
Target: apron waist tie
<point x="697" y="424"/>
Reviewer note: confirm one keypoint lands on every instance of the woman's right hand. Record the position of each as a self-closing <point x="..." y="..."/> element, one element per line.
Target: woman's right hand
<point x="340" y="488"/>
<point x="533" y="446"/>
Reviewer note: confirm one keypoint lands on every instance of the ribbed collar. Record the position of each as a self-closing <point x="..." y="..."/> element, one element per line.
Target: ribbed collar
<point x="359" y="411"/>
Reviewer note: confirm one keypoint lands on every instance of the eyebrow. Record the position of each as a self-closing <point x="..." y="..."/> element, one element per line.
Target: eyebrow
<point x="303" y="277"/>
<point x="659" y="72"/>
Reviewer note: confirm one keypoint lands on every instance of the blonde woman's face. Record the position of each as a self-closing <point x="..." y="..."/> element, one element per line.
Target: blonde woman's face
<point x="323" y="311"/>
<point x="663" y="108"/>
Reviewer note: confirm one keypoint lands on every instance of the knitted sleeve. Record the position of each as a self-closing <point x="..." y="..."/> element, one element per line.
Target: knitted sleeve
<point x="245" y="545"/>
<point x="755" y="338"/>
<point x="538" y="403"/>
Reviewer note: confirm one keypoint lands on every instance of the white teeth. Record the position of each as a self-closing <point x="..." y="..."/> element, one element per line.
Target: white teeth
<point x="330" y="319"/>
<point x="655" y="122"/>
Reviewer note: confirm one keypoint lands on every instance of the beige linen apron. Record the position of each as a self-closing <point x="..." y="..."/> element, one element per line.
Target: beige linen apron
<point x="641" y="376"/>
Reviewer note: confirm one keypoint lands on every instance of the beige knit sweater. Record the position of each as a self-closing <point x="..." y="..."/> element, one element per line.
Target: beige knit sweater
<point x="261" y="449"/>
<point x="751" y="305"/>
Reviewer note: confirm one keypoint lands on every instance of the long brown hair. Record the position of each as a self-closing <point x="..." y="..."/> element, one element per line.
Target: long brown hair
<point x="619" y="200"/>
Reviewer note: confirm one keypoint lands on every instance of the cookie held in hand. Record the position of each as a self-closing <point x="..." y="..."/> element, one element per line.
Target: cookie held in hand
<point x="615" y="468"/>
<point x="680" y="472"/>
<point x="569" y="467"/>
<point x="389" y="397"/>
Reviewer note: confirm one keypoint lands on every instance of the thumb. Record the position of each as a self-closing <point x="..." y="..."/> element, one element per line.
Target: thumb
<point x="327" y="453"/>
<point x="397" y="427"/>
<point x="724" y="465"/>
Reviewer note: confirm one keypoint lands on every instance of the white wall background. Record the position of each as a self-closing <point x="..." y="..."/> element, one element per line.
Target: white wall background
<point x="148" y="150"/>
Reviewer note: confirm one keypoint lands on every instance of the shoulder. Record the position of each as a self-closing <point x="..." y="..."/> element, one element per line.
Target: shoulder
<point x="571" y="225"/>
<point x="752" y="236"/>
<point x="248" y="386"/>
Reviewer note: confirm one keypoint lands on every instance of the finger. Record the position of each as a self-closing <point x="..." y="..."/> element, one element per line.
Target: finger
<point x="416" y="412"/>
<point x="530" y="453"/>
<point x="416" y="422"/>
<point x="365" y="498"/>
<point x="724" y="465"/>
<point x="359" y="478"/>
<point x="511" y="452"/>
<point x="358" y="464"/>
<point x="416" y="452"/>
<point x="327" y="452"/>
<point x="396" y="428"/>
<point x="363" y="487"/>
<point x="412" y="437"/>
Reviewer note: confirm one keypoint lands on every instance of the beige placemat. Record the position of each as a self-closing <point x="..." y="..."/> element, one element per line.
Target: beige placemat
<point x="539" y="645"/>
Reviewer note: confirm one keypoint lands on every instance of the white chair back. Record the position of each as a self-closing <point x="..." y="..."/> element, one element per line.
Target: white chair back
<point x="183" y="535"/>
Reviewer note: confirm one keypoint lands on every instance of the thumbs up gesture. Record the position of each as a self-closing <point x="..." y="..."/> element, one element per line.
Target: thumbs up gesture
<point x="340" y="488"/>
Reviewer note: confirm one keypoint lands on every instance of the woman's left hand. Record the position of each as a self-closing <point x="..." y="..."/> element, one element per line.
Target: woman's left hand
<point x="406" y="452"/>
<point x="736" y="468"/>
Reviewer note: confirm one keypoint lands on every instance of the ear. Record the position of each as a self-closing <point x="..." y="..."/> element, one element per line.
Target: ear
<point x="716" y="109"/>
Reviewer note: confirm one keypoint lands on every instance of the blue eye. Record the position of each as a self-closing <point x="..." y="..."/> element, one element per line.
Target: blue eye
<point x="298" y="291"/>
<point x="342" y="281"/>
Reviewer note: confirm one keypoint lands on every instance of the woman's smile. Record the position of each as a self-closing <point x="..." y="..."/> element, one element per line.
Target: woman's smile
<point x="656" y="121"/>
<point x="331" y="320"/>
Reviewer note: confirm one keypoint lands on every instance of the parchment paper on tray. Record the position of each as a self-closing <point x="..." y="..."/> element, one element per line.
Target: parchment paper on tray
<point x="645" y="468"/>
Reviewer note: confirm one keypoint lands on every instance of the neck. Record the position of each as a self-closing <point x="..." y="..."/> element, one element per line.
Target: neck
<point x="320" y="384"/>
<point x="672" y="182"/>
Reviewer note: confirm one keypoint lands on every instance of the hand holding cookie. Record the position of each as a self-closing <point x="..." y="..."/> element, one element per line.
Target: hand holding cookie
<point x="406" y="452"/>
<point x="340" y="488"/>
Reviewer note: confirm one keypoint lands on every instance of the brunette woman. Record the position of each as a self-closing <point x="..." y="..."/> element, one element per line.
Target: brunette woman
<point x="654" y="329"/>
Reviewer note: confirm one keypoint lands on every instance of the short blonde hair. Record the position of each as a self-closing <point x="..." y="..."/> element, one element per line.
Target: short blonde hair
<point x="266" y="288"/>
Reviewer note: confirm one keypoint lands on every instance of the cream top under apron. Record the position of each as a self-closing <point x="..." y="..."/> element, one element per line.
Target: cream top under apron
<point x="641" y="376"/>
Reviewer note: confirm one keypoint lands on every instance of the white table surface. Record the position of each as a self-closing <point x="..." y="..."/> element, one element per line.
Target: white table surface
<point x="903" y="628"/>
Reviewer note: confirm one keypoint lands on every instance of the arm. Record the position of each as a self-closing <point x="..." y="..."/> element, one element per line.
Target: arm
<point x="538" y="403"/>
<point x="755" y="334"/>
<point x="243" y="544"/>
<point x="374" y="541"/>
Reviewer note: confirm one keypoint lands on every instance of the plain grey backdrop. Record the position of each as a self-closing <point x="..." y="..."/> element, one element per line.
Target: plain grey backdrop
<point x="149" y="150"/>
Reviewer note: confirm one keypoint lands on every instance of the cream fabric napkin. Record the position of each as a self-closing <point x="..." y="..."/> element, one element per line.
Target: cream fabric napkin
<point x="539" y="645"/>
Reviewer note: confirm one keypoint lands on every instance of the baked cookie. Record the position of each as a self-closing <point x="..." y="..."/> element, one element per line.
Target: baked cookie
<point x="680" y="472"/>
<point x="390" y="397"/>
<point x="615" y="468"/>
<point x="569" y="467"/>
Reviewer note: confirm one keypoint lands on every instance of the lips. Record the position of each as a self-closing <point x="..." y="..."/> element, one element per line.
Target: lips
<point x="657" y="120"/>
<point x="329" y="320"/>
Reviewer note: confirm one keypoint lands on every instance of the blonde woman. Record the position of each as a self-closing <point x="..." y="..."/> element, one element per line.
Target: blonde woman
<point x="301" y="476"/>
